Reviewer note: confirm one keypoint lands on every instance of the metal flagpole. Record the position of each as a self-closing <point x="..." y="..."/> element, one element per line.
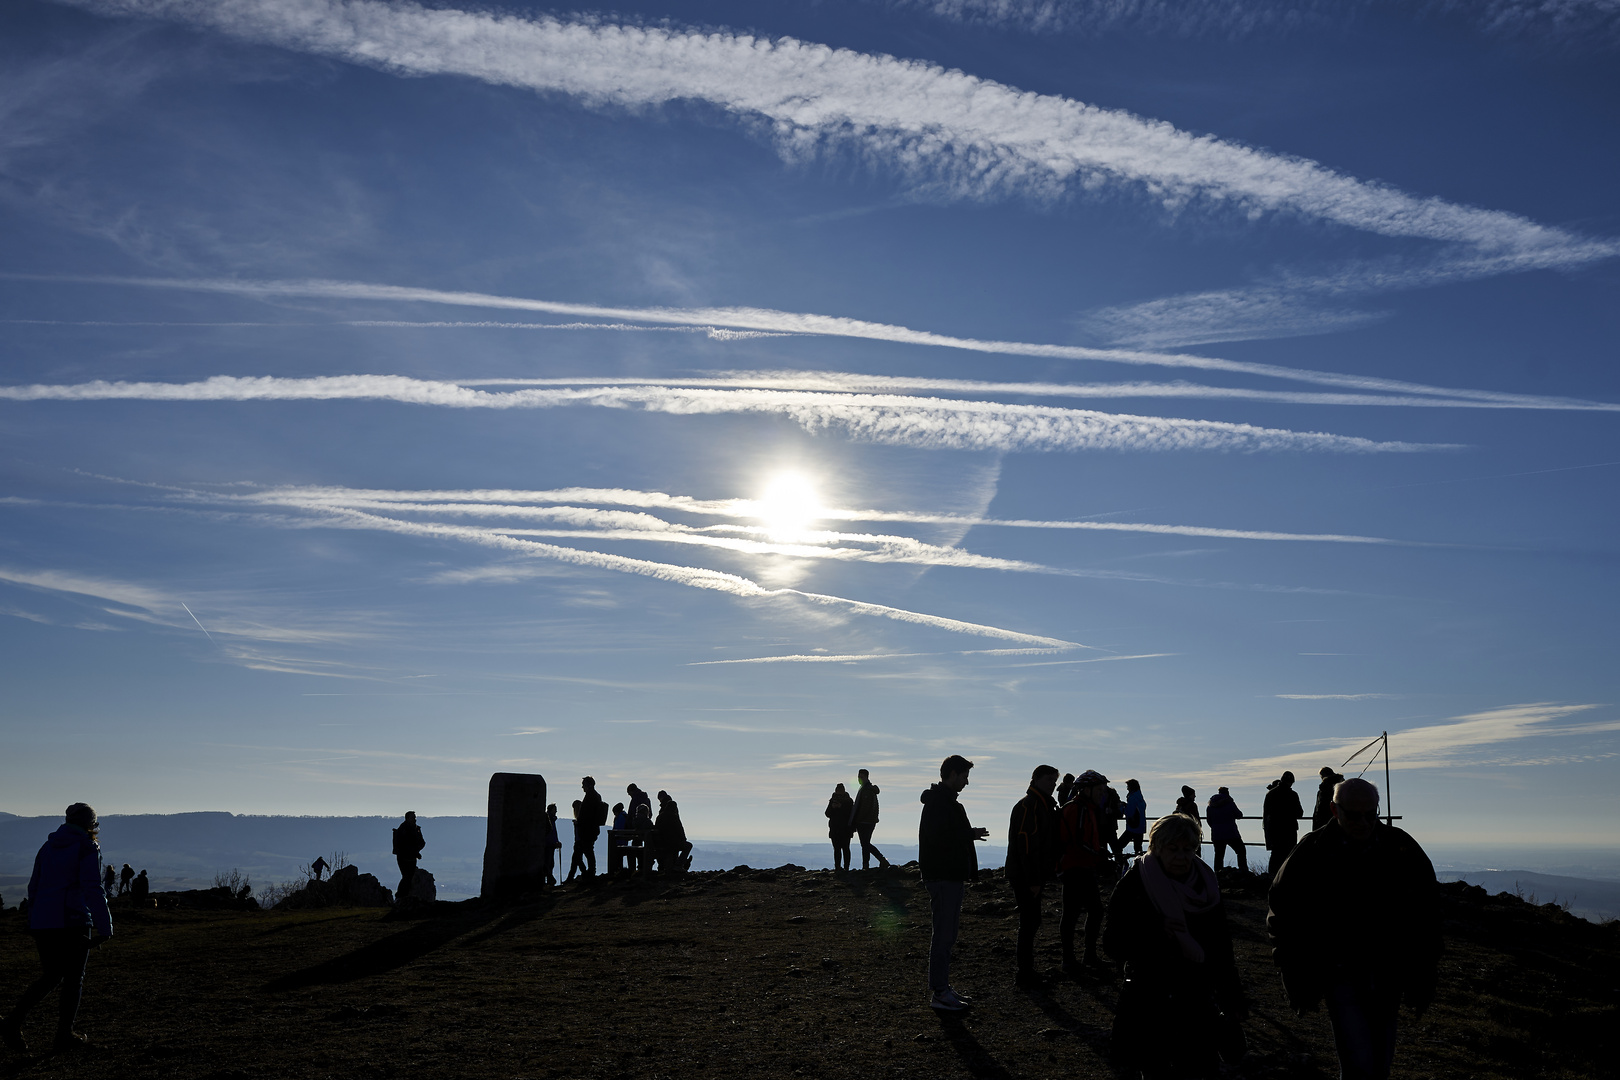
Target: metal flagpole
<point x="1389" y="801"/>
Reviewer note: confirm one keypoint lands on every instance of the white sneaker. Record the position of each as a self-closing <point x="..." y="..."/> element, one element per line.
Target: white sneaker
<point x="946" y="1001"/>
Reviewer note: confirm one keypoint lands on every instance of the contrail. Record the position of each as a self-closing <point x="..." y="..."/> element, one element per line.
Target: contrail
<point x="198" y="621"/>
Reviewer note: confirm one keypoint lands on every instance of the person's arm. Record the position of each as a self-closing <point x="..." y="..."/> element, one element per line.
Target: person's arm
<point x="94" y="896"/>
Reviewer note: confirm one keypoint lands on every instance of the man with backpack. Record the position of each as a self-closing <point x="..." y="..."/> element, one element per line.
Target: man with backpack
<point x="1081" y="855"/>
<point x="408" y="845"/>
<point x="590" y="814"/>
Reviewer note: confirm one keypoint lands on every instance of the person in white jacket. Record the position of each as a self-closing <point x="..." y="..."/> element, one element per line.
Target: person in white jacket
<point x="67" y="912"/>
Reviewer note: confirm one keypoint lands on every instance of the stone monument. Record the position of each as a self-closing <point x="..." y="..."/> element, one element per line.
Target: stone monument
<point x="516" y="851"/>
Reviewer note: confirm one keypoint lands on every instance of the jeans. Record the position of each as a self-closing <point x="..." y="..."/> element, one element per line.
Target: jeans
<point x="407" y="871"/>
<point x="868" y="852"/>
<point x="62" y="956"/>
<point x="945" y="901"/>
<point x="1236" y="846"/>
<point x="1363" y="1012"/>
<point x="1080" y="893"/>
<point x="1029" y="922"/>
<point x="584" y="860"/>
<point x="1281" y="847"/>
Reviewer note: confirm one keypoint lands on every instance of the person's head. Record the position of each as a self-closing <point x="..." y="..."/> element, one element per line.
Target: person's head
<point x="588" y="783"/>
<point x="1222" y="791"/>
<point x="82" y="816"/>
<point x="1355" y="807"/>
<point x="551" y="810"/>
<point x="1068" y="778"/>
<point x="953" y="772"/>
<point x="410" y="815"/>
<point x="839" y="790"/>
<point x="864" y="776"/>
<point x="1091" y="785"/>
<point x="141" y="874"/>
<point x="1325" y="773"/>
<point x="618" y="808"/>
<point x="1189" y="792"/>
<point x="1043" y="779"/>
<point x="1133" y="785"/>
<point x="663" y="797"/>
<point x="1174" y="841"/>
<point x="1287" y="779"/>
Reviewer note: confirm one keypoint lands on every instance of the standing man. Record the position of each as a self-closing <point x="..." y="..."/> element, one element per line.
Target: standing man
<point x="1322" y="812"/>
<point x="1081" y="855"/>
<point x="590" y="814"/>
<point x="408" y="845"/>
<point x="866" y="818"/>
<point x="948" y="861"/>
<point x="109" y="882"/>
<point x="67" y="912"/>
<point x="1031" y="862"/>
<point x="1280" y="819"/>
<point x="318" y="867"/>
<point x="1223" y="815"/>
<point x="1355" y="920"/>
<point x="125" y="876"/>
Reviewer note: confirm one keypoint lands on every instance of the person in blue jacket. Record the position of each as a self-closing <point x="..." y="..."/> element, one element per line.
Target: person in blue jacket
<point x="67" y="912"/>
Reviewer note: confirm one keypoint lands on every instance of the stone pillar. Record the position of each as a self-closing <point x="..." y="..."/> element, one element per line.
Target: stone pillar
<point x="515" y="849"/>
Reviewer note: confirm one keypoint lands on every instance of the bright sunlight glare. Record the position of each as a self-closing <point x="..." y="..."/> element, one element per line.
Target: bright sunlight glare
<point x="790" y="504"/>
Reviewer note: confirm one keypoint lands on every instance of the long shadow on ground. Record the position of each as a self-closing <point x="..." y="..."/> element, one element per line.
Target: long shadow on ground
<point x="391" y="953"/>
<point x="974" y="1056"/>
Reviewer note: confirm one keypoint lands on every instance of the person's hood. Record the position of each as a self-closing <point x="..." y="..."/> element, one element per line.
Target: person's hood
<point x="937" y="793"/>
<point x="69" y="836"/>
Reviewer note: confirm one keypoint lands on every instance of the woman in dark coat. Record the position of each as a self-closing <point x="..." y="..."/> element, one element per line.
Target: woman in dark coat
<point x="67" y="912"/>
<point x="1167" y="925"/>
<point x="840" y="825"/>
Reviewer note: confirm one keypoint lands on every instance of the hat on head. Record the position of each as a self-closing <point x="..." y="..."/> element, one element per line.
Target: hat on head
<point x="1090" y="777"/>
<point x="1325" y="771"/>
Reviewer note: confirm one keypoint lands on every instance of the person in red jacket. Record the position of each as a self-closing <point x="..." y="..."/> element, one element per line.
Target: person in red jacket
<point x="1080" y="860"/>
<point x="67" y="912"/>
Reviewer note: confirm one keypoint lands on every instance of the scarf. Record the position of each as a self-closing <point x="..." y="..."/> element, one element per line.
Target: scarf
<point x="1175" y="900"/>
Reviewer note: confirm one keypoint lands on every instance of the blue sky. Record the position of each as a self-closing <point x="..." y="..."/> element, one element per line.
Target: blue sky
<point x="726" y="397"/>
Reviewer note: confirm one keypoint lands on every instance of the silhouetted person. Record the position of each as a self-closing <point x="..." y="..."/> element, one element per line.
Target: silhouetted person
<point x="1223" y="829"/>
<point x="639" y="857"/>
<point x="1065" y="788"/>
<point x="1081" y="856"/>
<point x="553" y="843"/>
<point x="67" y="913"/>
<point x="1182" y="1001"/>
<point x="109" y="882"/>
<point x="1109" y="812"/>
<point x="1031" y="862"/>
<point x="318" y="867"/>
<point x="1322" y="813"/>
<point x="948" y="861"/>
<point x="590" y="814"/>
<point x="125" y="876"/>
<point x="1188" y="804"/>
<point x="1135" y="819"/>
<point x="1355" y="920"/>
<point x="865" y="819"/>
<point x="638" y="798"/>
<point x="140" y="889"/>
<point x="674" y="849"/>
<point x="621" y="820"/>
<point x="1280" y="820"/>
<point x="408" y="845"/>
<point x="840" y="825"/>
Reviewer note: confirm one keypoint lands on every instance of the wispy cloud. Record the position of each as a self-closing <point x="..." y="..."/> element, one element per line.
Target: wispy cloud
<point x="789" y="322"/>
<point x="963" y="135"/>
<point x="1432" y="746"/>
<point x="931" y="423"/>
<point x="1332" y="697"/>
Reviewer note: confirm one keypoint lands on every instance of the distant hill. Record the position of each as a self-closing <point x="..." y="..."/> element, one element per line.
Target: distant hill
<point x="1595" y="901"/>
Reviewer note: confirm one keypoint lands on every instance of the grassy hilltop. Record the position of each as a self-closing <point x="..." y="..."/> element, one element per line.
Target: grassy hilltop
<point x="745" y="974"/>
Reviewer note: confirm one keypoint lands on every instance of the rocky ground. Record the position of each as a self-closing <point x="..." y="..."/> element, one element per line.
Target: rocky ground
<point x="743" y="973"/>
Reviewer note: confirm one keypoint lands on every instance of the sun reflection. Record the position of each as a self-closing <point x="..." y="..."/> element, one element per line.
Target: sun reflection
<point x="790" y="505"/>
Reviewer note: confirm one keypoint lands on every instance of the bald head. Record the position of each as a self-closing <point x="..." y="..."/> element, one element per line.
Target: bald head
<point x="1355" y="806"/>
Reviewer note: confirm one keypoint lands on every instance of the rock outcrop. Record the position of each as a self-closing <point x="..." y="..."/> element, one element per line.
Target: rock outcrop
<point x="347" y="887"/>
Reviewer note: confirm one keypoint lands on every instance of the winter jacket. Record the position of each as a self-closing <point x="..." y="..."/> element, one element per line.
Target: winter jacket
<point x="1134" y="934"/>
<point x="408" y="840"/>
<point x="593" y="811"/>
<point x="1322" y="813"/>
<point x="1032" y="843"/>
<point x="866" y="805"/>
<point x="1339" y="907"/>
<point x="944" y="838"/>
<point x="670" y="830"/>
<point x="65" y="890"/>
<point x="1135" y="812"/>
<point x="1223" y="820"/>
<point x="1281" y="814"/>
<point x="1079" y="838"/>
<point x="1185" y="805"/>
<point x="840" y="810"/>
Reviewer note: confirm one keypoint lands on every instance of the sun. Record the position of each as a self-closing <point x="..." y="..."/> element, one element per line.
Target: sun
<point x="790" y="504"/>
